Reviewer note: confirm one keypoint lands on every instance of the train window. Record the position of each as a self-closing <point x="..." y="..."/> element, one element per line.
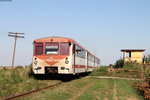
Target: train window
<point x="38" y="48"/>
<point x="80" y="52"/>
<point x="90" y="58"/>
<point x="64" y="48"/>
<point x="96" y="60"/>
<point x="73" y="49"/>
<point x="51" y="48"/>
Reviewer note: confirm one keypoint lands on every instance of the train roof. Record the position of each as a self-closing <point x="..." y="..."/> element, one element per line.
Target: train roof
<point x="60" y="39"/>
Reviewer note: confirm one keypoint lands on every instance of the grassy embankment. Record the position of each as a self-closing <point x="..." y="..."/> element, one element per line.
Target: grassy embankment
<point x="103" y="71"/>
<point x="132" y="71"/>
<point x="19" y="80"/>
<point x="92" y="89"/>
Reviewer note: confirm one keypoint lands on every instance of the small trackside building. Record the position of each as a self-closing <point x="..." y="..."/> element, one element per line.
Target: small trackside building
<point x="134" y="55"/>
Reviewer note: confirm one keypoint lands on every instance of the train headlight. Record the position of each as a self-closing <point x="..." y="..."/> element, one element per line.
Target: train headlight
<point x="35" y="62"/>
<point x="38" y="68"/>
<point x="67" y="69"/>
<point x="62" y="68"/>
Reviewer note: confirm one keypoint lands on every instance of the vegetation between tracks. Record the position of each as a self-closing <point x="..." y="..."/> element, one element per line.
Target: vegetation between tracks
<point x="130" y="71"/>
<point x="90" y="89"/>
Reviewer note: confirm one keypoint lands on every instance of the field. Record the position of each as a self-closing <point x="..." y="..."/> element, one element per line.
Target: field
<point x="90" y="89"/>
<point x="20" y="80"/>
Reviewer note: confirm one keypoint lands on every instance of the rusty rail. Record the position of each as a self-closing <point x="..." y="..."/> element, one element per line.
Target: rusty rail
<point x="30" y="92"/>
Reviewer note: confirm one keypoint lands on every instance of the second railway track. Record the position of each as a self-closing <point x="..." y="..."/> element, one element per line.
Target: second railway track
<point x="30" y="92"/>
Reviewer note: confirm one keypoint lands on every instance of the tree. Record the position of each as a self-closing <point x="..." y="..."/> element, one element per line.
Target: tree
<point x="119" y="63"/>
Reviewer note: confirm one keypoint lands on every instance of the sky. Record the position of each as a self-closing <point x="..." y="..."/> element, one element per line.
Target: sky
<point x="104" y="27"/>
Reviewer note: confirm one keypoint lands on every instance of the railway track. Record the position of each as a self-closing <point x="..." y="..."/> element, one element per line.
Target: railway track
<point x="30" y="92"/>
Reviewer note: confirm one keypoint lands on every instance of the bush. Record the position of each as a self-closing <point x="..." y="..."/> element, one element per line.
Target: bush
<point x="101" y="71"/>
<point x="119" y="63"/>
<point x="146" y="59"/>
<point x="130" y="63"/>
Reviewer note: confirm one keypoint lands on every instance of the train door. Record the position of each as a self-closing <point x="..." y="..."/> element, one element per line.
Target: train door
<point x="87" y="62"/>
<point x="73" y="55"/>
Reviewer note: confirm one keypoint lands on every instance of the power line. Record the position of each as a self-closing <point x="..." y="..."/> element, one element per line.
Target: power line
<point x="15" y="35"/>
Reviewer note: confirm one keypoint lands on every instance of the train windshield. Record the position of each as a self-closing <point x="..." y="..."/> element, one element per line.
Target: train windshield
<point x="64" y="48"/>
<point x="38" y="48"/>
<point x="51" y="48"/>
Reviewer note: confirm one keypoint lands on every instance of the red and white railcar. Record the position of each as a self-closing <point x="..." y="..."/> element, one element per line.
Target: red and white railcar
<point x="62" y="56"/>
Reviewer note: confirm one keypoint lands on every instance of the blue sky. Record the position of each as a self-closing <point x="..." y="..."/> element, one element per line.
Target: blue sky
<point x="104" y="27"/>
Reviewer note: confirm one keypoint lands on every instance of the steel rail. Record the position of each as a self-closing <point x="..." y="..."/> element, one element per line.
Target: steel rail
<point x="32" y="91"/>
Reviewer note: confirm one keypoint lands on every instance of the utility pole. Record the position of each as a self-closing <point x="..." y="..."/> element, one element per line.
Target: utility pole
<point x="15" y="35"/>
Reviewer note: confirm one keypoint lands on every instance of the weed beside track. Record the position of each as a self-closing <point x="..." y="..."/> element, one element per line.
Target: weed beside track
<point x="19" y="80"/>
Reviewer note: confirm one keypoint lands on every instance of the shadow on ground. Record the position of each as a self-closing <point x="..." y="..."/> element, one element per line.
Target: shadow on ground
<point x="62" y="77"/>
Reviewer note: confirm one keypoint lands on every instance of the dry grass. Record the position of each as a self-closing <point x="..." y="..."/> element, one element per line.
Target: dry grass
<point x="18" y="80"/>
<point x="90" y="89"/>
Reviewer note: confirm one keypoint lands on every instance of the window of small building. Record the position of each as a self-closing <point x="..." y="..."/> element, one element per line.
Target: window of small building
<point x="128" y="54"/>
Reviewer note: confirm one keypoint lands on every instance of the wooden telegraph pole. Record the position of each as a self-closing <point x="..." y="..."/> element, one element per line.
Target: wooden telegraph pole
<point x="15" y="35"/>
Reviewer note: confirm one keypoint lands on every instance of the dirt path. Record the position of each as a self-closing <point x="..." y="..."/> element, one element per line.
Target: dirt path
<point x="81" y="92"/>
<point x="107" y="93"/>
<point x="107" y="77"/>
<point x="115" y="92"/>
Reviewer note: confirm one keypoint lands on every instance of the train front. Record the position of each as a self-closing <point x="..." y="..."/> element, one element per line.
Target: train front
<point x="52" y="55"/>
